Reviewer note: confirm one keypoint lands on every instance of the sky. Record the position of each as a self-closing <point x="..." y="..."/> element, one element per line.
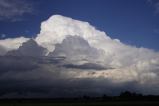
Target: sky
<point x="71" y="48"/>
<point x="134" y="22"/>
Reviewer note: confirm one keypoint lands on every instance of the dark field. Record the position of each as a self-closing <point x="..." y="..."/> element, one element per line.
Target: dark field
<point x="124" y="99"/>
<point x="119" y="103"/>
<point x="77" y="103"/>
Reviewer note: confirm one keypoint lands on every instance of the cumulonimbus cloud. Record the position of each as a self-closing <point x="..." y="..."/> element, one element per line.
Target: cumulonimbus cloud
<point x="110" y="65"/>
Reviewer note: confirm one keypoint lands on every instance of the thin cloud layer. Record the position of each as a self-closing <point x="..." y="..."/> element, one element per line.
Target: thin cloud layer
<point x="14" y="9"/>
<point x="79" y="60"/>
<point x="155" y="4"/>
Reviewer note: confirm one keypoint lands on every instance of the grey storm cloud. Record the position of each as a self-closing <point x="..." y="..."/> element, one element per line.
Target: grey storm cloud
<point x="86" y="66"/>
<point x="75" y="48"/>
<point x="72" y="58"/>
<point x="2" y="50"/>
<point x="29" y="48"/>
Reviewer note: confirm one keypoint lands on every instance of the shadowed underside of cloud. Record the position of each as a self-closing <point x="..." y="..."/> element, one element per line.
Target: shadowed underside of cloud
<point x="29" y="48"/>
<point x="72" y="58"/>
<point x="2" y="49"/>
<point x="86" y="66"/>
<point x="76" y="50"/>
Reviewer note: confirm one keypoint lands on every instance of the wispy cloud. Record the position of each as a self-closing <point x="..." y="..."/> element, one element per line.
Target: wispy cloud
<point x="157" y="7"/>
<point x="3" y="35"/>
<point x="156" y="31"/>
<point x="155" y="4"/>
<point x="13" y="9"/>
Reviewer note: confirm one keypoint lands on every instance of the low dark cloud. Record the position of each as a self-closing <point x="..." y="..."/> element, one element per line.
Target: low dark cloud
<point x="86" y="66"/>
<point x="15" y="64"/>
<point x="28" y="77"/>
<point x="2" y="50"/>
<point x="23" y="74"/>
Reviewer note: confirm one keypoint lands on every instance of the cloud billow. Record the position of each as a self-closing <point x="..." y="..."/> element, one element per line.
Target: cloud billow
<point x="29" y="48"/>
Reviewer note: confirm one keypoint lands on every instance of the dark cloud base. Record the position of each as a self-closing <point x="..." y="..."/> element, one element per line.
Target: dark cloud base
<point x="86" y="66"/>
<point x="28" y="77"/>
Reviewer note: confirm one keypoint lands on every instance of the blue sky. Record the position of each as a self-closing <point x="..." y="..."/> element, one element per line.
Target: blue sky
<point x="134" y="22"/>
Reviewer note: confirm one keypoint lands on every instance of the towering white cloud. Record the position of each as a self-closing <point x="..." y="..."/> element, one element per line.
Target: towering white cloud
<point x="117" y="54"/>
<point x="57" y="27"/>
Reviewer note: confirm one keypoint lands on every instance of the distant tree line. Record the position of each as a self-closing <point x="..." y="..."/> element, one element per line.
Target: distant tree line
<point x="124" y="96"/>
